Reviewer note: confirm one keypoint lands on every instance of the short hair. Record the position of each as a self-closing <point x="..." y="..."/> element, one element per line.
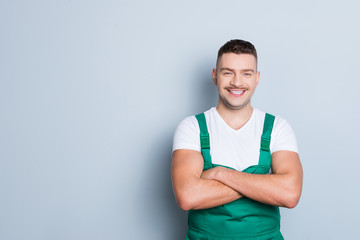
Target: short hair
<point x="237" y="46"/>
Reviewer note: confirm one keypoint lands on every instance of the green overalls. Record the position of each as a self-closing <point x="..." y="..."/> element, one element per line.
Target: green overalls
<point x="243" y="218"/>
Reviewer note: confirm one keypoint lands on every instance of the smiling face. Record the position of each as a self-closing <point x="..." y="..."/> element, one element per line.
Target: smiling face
<point x="236" y="78"/>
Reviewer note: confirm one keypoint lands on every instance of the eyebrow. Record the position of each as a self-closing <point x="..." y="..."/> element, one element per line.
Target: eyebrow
<point x="242" y="70"/>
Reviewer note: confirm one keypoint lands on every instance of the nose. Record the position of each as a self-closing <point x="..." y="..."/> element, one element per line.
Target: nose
<point x="237" y="80"/>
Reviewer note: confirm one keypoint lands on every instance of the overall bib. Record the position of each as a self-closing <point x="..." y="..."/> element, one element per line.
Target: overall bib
<point x="243" y="218"/>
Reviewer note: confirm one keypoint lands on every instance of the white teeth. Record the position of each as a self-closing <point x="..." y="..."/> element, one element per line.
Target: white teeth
<point x="237" y="92"/>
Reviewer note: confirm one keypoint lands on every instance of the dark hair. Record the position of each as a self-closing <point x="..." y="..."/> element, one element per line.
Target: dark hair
<point x="237" y="46"/>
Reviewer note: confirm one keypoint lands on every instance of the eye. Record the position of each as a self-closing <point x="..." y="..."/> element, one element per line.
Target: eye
<point x="247" y="74"/>
<point x="227" y="73"/>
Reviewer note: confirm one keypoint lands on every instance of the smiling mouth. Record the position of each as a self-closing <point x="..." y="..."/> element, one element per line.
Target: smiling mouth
<point x="236" y="92"/>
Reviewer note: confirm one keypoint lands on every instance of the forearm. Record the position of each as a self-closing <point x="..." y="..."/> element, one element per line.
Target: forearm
<point x="192" y="190"/>
<point x="274" y="189"/>
<point x="200" y="193"/>
<point x="281" y="188"/>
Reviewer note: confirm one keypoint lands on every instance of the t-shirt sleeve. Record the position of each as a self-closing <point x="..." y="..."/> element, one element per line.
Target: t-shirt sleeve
<point x="187" y="135"/>
<point x="283" y="137"/>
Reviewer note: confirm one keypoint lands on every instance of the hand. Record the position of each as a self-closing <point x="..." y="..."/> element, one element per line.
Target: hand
<point x="211" y="173"/>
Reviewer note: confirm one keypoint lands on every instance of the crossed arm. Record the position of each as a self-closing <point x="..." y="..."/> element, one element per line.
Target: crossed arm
<point x="195" y="189"/>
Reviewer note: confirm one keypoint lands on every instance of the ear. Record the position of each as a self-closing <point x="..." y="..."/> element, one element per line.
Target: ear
<point x="214" y="76"/>
<point x="257" y="77"/>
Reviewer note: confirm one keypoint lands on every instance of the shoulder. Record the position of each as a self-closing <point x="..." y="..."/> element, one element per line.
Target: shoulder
<point x="188" y="124"/>
<point x="282" y="136"/>
<point x="281" y="126"/>
<point x="192" y="123"/>
<point x="187" y="133"/>
<point x="279" y="122"/>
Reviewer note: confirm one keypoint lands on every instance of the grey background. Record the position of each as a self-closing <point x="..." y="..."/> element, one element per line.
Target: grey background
<point x="92" y="91"/>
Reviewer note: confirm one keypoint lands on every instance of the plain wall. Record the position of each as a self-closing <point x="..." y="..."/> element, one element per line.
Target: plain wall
<point x="91" y="93"/>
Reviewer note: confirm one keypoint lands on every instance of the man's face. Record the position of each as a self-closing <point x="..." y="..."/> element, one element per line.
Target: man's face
<point x="236" y="78"/>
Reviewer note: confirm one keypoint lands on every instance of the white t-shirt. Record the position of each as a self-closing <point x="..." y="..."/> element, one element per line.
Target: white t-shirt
<point x="237" y="149"/>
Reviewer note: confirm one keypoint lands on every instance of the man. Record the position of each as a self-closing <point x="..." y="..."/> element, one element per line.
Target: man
<point x="234" y="165"/>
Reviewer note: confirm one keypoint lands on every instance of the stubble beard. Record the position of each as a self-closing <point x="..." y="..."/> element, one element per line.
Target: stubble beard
<point x="230" y="106"/>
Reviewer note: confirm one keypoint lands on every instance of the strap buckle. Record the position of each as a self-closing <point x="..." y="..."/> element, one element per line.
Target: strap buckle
<point x="205" y="141"/>
<point x="265" y="144"/>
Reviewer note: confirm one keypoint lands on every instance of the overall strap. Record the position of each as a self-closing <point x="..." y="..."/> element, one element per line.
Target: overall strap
<point x="204" y="141"/>
<point x="265" y="155"/>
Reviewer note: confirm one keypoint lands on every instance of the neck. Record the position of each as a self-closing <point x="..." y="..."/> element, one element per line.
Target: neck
<point x="235" y="118"/>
